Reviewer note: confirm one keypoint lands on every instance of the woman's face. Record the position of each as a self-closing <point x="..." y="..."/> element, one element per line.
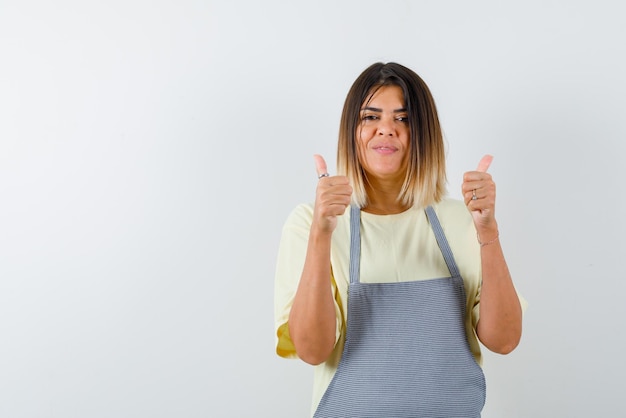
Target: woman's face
<point x="383" y="135"/>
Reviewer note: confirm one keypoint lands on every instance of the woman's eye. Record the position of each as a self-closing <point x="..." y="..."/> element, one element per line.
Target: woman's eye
<point x="370" y="117"/>
<point x="402" y="119"/>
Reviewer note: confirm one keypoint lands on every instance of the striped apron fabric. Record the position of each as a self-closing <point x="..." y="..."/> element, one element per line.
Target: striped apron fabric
<point x="406" y="353"/>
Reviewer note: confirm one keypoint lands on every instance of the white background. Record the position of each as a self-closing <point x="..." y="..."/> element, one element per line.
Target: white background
<point x="150" y="152"/>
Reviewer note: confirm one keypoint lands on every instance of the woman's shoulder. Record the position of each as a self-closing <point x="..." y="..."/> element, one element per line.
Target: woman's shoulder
<point x="450" y="203"/>
<point x="301" y="215"/>
<point x="454" y="210"/>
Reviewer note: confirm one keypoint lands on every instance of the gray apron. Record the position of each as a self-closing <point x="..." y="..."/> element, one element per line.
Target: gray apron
<point x="406" y="353"/>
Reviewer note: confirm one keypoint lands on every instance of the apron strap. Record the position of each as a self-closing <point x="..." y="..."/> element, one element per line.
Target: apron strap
<point x="355" y="243"/>
<point x="442" y="241"/>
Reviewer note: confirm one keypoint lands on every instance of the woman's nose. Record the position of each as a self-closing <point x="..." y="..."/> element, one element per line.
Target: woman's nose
<point x="385" y="127"/>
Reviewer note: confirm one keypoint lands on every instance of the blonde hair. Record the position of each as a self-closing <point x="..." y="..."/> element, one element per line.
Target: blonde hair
<point x="425" y="181"/>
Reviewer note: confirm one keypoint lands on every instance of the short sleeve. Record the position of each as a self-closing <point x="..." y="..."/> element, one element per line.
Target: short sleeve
<point x="289" y="264"/>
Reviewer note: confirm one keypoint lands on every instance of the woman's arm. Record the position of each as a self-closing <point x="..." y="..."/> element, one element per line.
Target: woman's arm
<point x="312" y="319"/>
<point x="499" y="327"/>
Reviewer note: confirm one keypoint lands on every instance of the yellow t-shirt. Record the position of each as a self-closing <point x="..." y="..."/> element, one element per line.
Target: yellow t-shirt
<point x="394" y="248"/>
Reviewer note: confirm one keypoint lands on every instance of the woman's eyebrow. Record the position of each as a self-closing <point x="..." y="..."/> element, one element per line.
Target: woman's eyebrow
<point x="375" y="109"/>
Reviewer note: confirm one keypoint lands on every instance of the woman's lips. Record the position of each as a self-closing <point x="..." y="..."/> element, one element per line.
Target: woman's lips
<point x="385" y="149"/>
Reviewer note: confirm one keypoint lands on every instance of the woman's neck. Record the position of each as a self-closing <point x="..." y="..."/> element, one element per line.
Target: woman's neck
<point x="383" y="199"/>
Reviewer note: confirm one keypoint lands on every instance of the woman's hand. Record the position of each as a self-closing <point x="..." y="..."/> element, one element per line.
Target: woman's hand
<point x="332" y="197"/>
<point x="479" y="193"/>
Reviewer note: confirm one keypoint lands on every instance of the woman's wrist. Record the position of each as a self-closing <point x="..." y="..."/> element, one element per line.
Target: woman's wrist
<point x="488" y="242"/>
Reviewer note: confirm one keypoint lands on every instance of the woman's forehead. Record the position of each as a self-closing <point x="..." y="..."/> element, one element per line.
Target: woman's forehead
<point x="390" y="95"/>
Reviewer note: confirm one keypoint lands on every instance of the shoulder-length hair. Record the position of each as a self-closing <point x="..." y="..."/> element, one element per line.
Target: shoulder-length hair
<point x="425" y="180"/>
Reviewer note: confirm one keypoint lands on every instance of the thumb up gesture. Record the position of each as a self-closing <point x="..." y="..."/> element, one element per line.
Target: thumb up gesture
<point x="479" y="193"/>
<point x="331" y="199"/>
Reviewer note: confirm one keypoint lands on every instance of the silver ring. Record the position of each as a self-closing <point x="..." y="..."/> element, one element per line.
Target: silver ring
<point x="474" y="194"/>
<point x="323" y="175"/>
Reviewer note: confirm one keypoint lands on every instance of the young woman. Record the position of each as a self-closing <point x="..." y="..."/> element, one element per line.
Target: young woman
<point x="385" y="285"/>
